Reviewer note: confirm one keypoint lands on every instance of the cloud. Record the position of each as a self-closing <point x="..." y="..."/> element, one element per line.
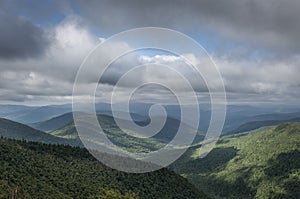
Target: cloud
<point x="245" y="80"/>
<point x="261" y="77"/>
<point x="51" y="77"/>
<point x="52" y="74"/>
<point x="41" y="51"/>
<point x="239" y="76"/>
<point x="20" y="38"/>
<point x="273" y="25"/>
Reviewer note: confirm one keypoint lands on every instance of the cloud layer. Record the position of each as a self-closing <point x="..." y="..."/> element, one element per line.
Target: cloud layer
<point x="254" y="43"/>
<point x="274" y="25"/>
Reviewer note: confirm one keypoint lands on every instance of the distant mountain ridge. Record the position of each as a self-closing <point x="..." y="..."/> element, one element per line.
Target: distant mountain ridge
<point x="53" y="123"/>
<point x="249" y="126"/>
<point x="18" y="131"/>
<point x="32" y="114"/>
<point x="122" y="139"/>
<point x="62" y="120"/>
<point x="236" y="116"/>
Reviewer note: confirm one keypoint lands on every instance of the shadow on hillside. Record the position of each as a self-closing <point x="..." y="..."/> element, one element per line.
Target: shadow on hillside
<point x="281" y="167"/>
<point x="283" y="164"/>
<point x="236" y="189"/>
<point x="292" y="187"/>
<point x="217" y="159"/>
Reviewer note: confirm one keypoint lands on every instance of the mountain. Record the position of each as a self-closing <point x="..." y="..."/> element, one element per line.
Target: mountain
<point x="36" y="170"/>
<point x="276" y="116"/>
<point x="116" y="135"/>
<point x="236" y="119"/>
<point x="249" y="126"/>
<point x="68" y="134"/>
<point x="27" y="114"/>
<point x="258" y="164"/>
<point x="6" y="109"/>
<point x="122" y="115"/>
<point x="53" y="123"/>
<point x="236" y="114"/>
<point x="62" y="120"/>
<point x="122" y="139"/>
<point x="36" y="114"/>
<point x="15" y="130"/>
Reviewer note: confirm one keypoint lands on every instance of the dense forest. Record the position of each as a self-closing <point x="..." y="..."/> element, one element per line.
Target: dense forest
<point x="264" y="163"/>
<point x="37" y="170"/>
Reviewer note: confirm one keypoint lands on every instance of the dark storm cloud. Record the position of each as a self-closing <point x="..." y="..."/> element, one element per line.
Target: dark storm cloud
<point x="272" y="24"/>
<point x="268" y="24"/>
<point x="20" y="38"/>
<point x="236" y="28"/>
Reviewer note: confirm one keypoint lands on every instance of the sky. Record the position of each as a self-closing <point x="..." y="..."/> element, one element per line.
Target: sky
<point x="255" y="45"/>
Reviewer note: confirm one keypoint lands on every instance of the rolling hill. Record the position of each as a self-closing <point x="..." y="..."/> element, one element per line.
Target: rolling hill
<point x="15" y="130"/>
<point x="258" y="164"/>
<point x="116" y="135"/>
<point x="276" y="116"/>
<point x="237" y="115"/>
<point x="236" y="118"/>
<point x="62" y="120"/>
<point x="36" y="170"/>
<point x="122" y="139"/>
<point x="263" y="163"/>
<point x="6" y="109"/>
<point x="53" y="123"/>
<point x="33" y="114"/>
<point x="249" y="126"/>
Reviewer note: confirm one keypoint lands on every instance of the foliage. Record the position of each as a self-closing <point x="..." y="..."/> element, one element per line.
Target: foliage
<point x="260" y="164"/>
<point x="112" y="194"/>
<point x="123" y="139"/>
<point x="37" y="170"/>
<point x="15" y="130"/>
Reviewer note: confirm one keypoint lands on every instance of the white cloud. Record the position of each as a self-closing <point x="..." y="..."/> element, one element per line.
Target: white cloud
<point x="50" y="78"/>
<point x="54" y="73"/>
<point x="261" y="77"/>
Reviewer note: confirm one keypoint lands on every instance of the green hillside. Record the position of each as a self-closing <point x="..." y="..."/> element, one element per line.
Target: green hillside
<point x="15" y="130"/>
<point x="262" y="164"/>
<point x="36" y="170"/>
<point x="54" y="123"/>
<point x="113" y="132"/>
<point x="124" y="140"/>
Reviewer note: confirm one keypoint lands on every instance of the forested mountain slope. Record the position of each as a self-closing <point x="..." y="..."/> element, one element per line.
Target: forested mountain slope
<point x="36" y="170"/>
<point x="15" y="130"/>
<point x="261" y="164"/>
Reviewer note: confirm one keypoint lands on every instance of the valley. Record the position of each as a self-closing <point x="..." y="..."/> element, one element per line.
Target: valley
<point x="259" y="159"/>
